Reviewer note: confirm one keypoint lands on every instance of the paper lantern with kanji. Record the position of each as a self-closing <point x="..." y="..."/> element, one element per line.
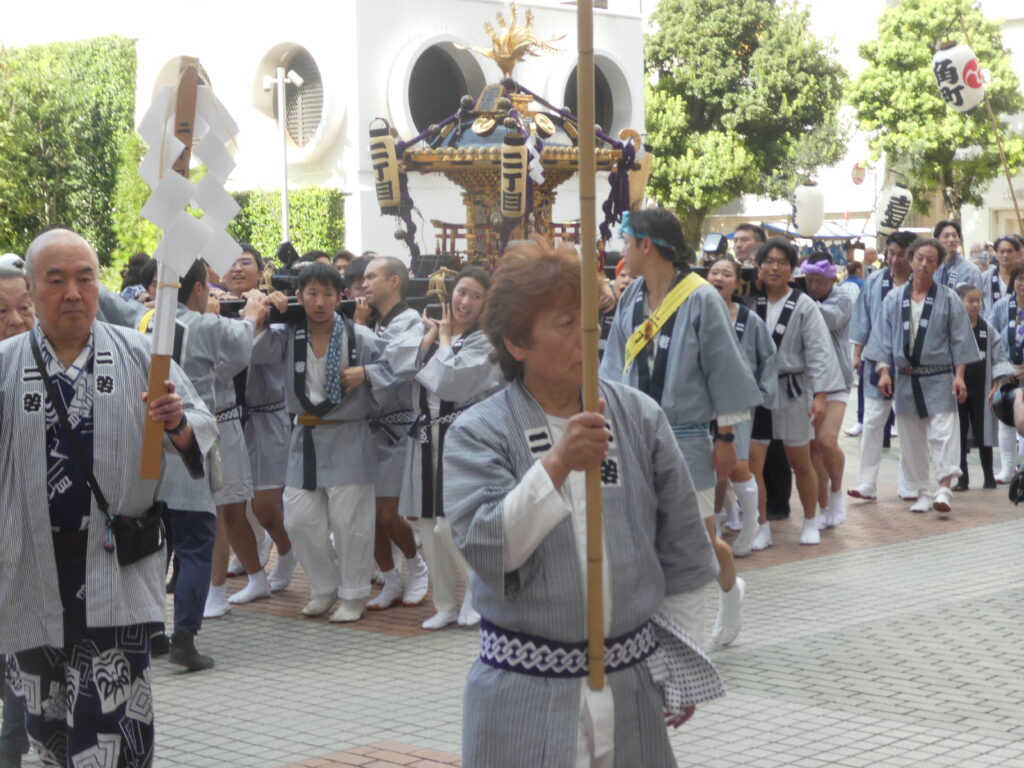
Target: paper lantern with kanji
<point x="384" y="159"/>
<point x="808" y="209"/>
<point x="892" y="208"/>
<point x="513" y="176"/>
<point x="958" y="76"/>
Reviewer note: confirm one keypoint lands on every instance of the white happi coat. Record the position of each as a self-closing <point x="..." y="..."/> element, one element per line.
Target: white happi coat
<point x="461" y="377"/>
<point x="655" y="545"/>
<point x="865" y="318"/>
<point x="31" y="614"/>
<point x="948" y="341"/>
<point x="345" y="452"/>
<point x="837" y="309"/>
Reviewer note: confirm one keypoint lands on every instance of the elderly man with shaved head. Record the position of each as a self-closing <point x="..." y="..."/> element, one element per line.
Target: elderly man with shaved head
<point x="77" y="589"/>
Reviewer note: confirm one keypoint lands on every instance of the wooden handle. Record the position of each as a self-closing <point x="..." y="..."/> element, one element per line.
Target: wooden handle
<point x="153" y="436"/>
<point x="591" y="333"/>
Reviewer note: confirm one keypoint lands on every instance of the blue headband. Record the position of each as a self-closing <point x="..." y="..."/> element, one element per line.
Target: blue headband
<point x="626" y="228"/>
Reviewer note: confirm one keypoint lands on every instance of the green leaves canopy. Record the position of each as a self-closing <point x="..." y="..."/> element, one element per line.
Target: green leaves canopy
<point x="64" y="108"/>
<point x="743" y="99"/>
<point x="898" y="102"/>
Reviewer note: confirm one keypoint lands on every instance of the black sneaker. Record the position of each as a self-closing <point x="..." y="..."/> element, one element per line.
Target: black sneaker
<point x="184" y="653"/>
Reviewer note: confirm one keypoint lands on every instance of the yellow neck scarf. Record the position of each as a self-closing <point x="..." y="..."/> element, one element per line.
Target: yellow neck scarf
<point x="650" y="328"/>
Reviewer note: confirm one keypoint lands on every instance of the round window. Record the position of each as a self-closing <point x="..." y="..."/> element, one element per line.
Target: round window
<point x="436" y="84"/>
<point x="604" y="105"/>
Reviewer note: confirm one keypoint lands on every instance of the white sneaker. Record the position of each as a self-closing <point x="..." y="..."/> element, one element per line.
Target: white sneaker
<point x="417" y="581"/>
<point x="281" y="576"/>
<point x="468" y="617"/>
<point x="763" y="537"/>
<point x="319" y="605"/>
<point x="855" y="430"/>
<point x="810" y="534"/>
<point x="1004" y="476"/>
<point x="216" y="603"/>
<point x="943" y="503"/>
<point x="892" y="432"/>
<point x="258" y="588"/>
<point x="348" y="611"/>
<point x="390" y="595"/>
<point x="440" y="620"/>
<point x="729" y="618"/>
<point x="923" y="503"/>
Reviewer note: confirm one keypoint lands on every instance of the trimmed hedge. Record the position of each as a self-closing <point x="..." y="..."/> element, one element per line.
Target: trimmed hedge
<point x="316" y="219"/>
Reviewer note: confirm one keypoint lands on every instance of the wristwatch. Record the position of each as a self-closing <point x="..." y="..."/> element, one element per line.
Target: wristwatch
<point x="725" y="438"/>
<point x="180" y="428"/>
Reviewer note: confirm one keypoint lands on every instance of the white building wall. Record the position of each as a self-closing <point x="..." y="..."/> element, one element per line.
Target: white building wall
<point x="365" y="50"/>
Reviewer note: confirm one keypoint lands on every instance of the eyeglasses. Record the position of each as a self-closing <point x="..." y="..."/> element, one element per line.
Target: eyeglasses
<point x="245" y="263"/>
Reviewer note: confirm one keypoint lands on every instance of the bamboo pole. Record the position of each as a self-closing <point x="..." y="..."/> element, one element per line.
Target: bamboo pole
<point x="999" y="135"/>
<point x="160" y="359"/>
<point x="591" y="333"/>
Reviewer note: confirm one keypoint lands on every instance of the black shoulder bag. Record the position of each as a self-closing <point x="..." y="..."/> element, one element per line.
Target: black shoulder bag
<point x="132" y="538"/>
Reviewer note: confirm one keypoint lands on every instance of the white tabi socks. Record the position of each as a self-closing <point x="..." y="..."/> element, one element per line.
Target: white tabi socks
<point x="810" y="535"/>
<point x="391" y="594"/>
<point x="257" y="589"/>
<point x="746" y="497"/>
<point x="729" y="618"/>
<point x="216" y="602"/>
<point x="763" y="537"/>
<point x="281" y="576"/>
<point x="836" y="509"/>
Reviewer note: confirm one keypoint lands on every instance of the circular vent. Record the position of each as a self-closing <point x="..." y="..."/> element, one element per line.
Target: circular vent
<point x="304" y="104"/>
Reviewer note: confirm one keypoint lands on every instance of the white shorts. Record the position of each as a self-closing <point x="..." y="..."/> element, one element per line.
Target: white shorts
<point x="838" y="397"/>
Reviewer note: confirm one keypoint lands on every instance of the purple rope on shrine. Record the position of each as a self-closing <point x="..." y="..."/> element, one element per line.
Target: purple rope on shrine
<point x="406" y="206"/>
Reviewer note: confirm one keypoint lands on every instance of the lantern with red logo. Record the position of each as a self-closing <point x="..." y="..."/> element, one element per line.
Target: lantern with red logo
<point x="958" y="76"/>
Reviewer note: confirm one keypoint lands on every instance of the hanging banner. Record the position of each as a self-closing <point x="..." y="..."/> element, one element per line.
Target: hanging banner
<point x="513" y="176"/>
<point x="808" y="209"/>
<point x="958" y="76"/>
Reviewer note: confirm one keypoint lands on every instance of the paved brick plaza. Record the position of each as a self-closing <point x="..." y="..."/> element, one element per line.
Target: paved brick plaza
<point x="899" y="641"/>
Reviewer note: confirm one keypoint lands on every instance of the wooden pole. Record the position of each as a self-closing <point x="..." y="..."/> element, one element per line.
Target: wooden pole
<point x="999" y="136"/>
<point x="591" y="333"/>
<point x="160" y="360"/>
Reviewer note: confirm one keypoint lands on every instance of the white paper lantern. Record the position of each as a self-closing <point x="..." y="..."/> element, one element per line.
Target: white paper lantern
<point x="808" y="209"/>
<point x="958" y="76"/>
<point x="891" y="211"/>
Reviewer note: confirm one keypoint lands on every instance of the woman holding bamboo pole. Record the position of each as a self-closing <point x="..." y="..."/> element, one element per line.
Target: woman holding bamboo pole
<point x="514" y="469"/>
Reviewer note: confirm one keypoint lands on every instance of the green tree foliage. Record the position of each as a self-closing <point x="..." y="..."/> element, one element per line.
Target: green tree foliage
<point x="315" y="217"/>
<point x="64" y="108"/>
<point x="898" y="102"/>
<point x="743" y="99"/>
<point x="133" y="232"/>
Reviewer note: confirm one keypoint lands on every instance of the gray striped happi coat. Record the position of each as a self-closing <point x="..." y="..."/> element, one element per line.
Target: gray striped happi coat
<point x="655" y="543"/>
<point x="30" y="607"/>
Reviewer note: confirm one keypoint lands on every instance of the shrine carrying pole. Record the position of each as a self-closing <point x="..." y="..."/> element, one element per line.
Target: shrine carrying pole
<point x="591" y="332"/>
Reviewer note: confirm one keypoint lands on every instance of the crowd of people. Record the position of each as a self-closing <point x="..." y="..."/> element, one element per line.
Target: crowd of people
<point x="421" y="449"/>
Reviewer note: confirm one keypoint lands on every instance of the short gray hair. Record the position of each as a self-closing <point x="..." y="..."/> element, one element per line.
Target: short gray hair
<point x="10" y="273"/>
